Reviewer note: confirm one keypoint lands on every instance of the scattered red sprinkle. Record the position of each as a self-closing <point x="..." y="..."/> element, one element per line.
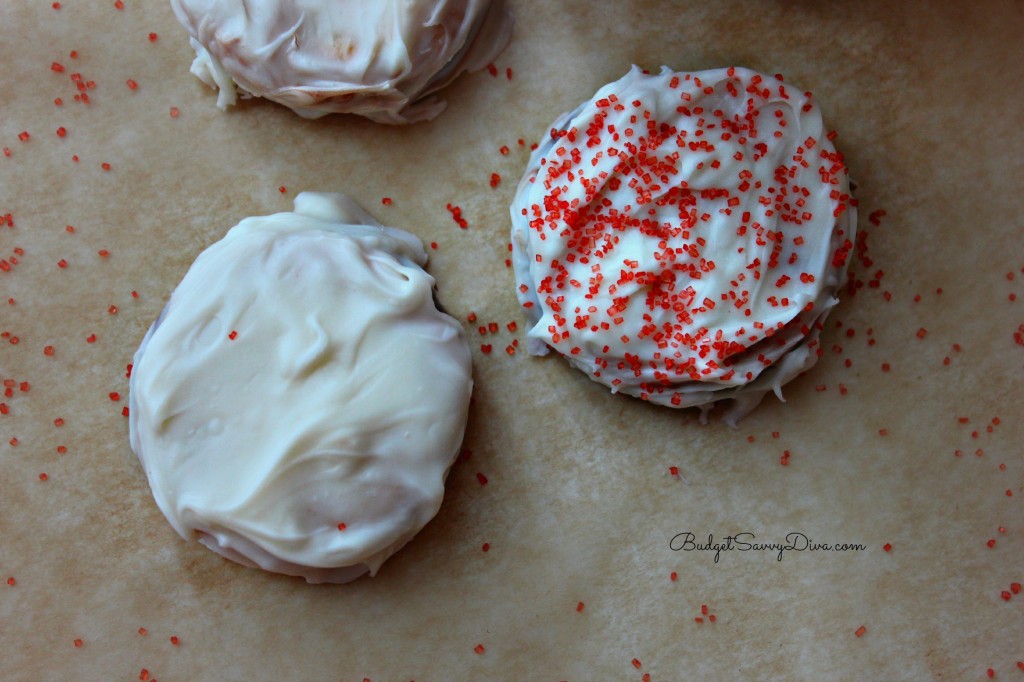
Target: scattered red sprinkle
<point x="11" y="581"/>
<point x="56" y="5"/>
<point x="91" y="338"/>
<point x="673" y="471"/>
<point x="105" y="166"/>
<point x="233" y="335"/>
<point x="43" y="477"/>
<point x="143" y="631"/>
<point x="135" y="294"/>
<point x="457" y="216"/>
<point x="481" y="478"/>
<point x="103" y="253"/>
<point x="282" y="189"/>
<point x="13" y="441"/>
<point x="579" y="607"/>
<point x="479" y="648"/>
<point x="887" y="547"/>
<point x="922" y="332"/>
<point x="143" y="674"/>
<point x="61" y="449"/>
<point x="486" y="347"/>
<point x="57" y="66"/>
<point x="991" y="543"/>
<point x="673" y="576"/>
<point x="486" y="547"/>
<point x="62" y="131"/>
<point x="636" y="663"/>
<point x="114" y="396"/>
<point x="132" y="85"/>
<point x="503" y="150"/>
<point x="495" y="179"/>
<point x="153" y="37"/>
<point x="433" y="245"/>
<point x="124" y="412"/>
<point x="118" y="4"/>
<point x="342" y="526"/>
<point x="1005" y="594"/>
<point x="387" y="201"/>
<point x="174" y="112"/>
<point x="174" y="638"/>
<point x="24" y="136"/>
<point x="62" y="263"/>
<point x="73" y="54"/>
<point x="508" y="73"/>
<point x="1015" y="588"/>
<point x="58" y="422"/>
<point x="991" y="673"/>
<point x="885" y="367"/>
<point x="78" y="643"/>
<point x="860" y="631"/>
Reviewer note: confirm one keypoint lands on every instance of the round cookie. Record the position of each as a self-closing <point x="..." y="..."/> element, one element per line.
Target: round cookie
<point x="299" y="401"/>
<point x="379" y="59"/>
<point x="682" y="236"/>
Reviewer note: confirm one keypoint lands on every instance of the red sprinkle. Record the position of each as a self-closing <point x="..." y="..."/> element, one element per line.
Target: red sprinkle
<point x="479" y="648"/>
<point x="386" y="201"/>
<point x="24" y="136"/>
<point x="105" y="166"/>
<point x="114" y="396"/>
<point x="495" y="179"/>
<point x="174" y="112"/>
<point x="481" y="478"/>
<point x="579" y="607"/>
<point x="57" y="66"/>
<point x="174" y="638"/>
<point x="132" y="85"/>
<point x="486" y="547"/>
<point x="887" y="547"/>
<point x="78" y="642"/>
<point x="860" y="631"/>
<point x="636" y="663"/>
<point x="153" y="37"/>
<point x="342" y="526"/>
<point x="233" y="335"/>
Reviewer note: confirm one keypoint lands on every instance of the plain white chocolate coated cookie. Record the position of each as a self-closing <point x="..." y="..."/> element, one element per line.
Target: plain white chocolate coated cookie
<point x="682" y="236"/>
<point x="379" y="59"/>
<point x="300" y="400"/>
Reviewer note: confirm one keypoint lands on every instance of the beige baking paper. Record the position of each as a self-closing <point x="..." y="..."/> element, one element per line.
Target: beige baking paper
<point x="580" y="506"/>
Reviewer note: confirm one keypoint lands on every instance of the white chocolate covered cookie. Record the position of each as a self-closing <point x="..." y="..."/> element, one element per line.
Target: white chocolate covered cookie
<point x="298" y="403"/>
<point x="682" y="236"/>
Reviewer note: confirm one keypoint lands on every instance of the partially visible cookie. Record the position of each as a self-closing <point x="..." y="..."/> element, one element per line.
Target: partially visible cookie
<point x="681" y="237"/>
<point x="381" y="59"/>
<point x="300" y="400"/>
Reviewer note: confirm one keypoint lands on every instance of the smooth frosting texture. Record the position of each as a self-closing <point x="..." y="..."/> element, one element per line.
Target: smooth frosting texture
<point x="681" y="236"/>
<point x="378" y="59"/>
<point x="299" y="401"/>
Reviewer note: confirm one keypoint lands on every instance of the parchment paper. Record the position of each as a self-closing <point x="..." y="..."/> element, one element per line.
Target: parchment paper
<point x="580" y="506"/>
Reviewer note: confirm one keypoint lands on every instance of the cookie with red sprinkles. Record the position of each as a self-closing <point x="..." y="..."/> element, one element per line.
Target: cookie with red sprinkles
<point x="681" y="237"/>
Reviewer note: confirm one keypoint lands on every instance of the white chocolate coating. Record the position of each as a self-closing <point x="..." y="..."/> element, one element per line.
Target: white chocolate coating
<point x="681" y="237"/>
<point x="341" y="399"/>
<point x="379" y="59"/>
